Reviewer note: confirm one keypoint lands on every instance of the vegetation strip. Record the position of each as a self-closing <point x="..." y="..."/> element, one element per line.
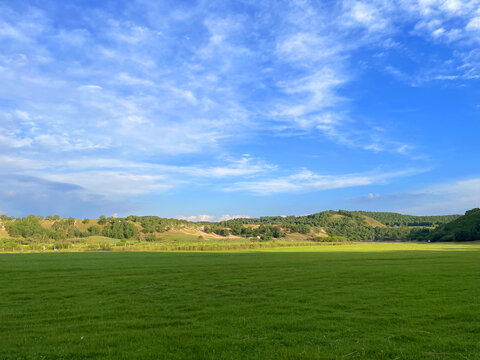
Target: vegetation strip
<point x="35" y="233"/>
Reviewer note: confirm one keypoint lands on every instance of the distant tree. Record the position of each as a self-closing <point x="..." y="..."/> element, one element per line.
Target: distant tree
<point x="102" y="220"/>
<point x="25" y="227"/>
<point x="120" y="229"/>
<point x="94" y="230"/>
<point x="85" y="221"/>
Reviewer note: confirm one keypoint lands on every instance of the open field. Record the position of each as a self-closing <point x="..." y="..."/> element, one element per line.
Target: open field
<point x="361" y="301"/>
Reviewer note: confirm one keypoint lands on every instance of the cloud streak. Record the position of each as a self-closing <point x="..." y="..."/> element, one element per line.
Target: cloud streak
<point x="307" y="181"/>
<point x="454" y="197"/>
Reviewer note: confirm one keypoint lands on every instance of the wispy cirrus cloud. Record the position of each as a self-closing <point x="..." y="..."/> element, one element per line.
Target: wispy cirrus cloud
<point x="115" y="178"/>
<point x="307" y="181"/>
<point x="141" y="92"/>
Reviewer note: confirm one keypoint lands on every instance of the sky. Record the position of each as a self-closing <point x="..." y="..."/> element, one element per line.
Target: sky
<point x="209" y="110"/>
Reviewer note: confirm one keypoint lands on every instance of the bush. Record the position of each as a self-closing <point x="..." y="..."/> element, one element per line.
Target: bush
<point x="150" y="237"/>
<point x="105" y="247"/>
<point x="94" y="230"/>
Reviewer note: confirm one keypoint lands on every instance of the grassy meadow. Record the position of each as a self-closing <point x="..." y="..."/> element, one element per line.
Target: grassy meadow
<point x="359" y="301"/>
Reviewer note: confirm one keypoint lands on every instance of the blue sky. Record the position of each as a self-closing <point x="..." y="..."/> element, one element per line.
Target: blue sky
<point x="214" y="109"/>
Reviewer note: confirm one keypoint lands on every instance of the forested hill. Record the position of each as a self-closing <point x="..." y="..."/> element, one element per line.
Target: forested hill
<point x="396" y="219"/>
<point x="383" y="218"/>
<point x="354" y="225"/>
<point x="465" y="228"/>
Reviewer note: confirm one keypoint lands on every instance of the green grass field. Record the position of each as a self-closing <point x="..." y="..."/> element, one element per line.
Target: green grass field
<point x="362" y="301"/>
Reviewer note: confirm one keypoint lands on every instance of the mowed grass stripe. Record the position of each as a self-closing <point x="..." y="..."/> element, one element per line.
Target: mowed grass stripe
<point x="370" y="301"/>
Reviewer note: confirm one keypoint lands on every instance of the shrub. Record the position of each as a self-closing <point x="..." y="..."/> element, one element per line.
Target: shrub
<point x="150" y="237"/>
<point x="94" y="230"/>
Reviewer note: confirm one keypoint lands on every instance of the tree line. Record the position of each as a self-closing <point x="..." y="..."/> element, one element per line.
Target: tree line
<point x="396" y="219"/>
<point x="30" y="227"/>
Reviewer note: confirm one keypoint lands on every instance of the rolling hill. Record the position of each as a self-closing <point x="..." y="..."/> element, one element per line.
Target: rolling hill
<point x="327" y="226"/>
<point x="464" y="228"/>
<point x="396" y="219"/>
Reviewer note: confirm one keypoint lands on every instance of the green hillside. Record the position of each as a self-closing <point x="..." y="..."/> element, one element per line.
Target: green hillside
<point x="465" y="228"/>
<point x="352" y="225"/>
<point x="396" y="219"/>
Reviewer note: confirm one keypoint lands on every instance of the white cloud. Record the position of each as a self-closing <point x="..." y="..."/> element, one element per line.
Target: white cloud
<point x="122" y="178"/>
<point x="305" y="47"/>
<point x="197" y="218"/>
<point x="21" y="115"/>
<point x="452" y="197"/>
<point x="244" y="167"/>
<point x="365" y="14"/>
<point x="113" y="183"/>
<point x="145" y="102"/>
<point x="12" y="141"/>
<point x="306" y="181"/>
<point x="15" y="163"/>
<point x="473" y="24"/>
<point x="211" y="218"/>
<point x="63" y="142"/>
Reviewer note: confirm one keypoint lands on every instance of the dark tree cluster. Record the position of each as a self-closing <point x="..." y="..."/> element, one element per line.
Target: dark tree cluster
<point x="119" y="229"/>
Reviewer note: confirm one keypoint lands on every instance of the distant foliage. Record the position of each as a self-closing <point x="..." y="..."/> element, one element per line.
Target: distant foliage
<point x="395" y="219"/>
<point x="94" y="230"/>
<point x="155" y="224"/>
<point x="26" y="227"/>
<point x="30" y="227"/>
<point x="336" y="223"/>
<point x="339" y="225"/>
<point x="120" y="229"/>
